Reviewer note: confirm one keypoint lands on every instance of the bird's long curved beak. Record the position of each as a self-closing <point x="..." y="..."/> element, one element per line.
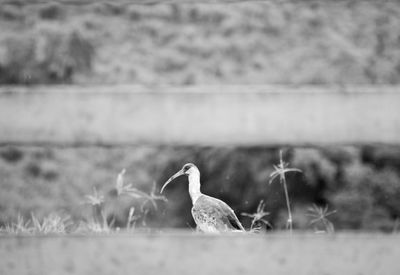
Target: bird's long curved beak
<point x="177" y="174"/>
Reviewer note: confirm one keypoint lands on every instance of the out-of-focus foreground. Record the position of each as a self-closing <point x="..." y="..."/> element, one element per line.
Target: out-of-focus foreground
<point x="278" y="254"/>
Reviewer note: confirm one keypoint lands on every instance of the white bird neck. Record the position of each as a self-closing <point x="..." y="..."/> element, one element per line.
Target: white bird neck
<point x="194" y="186"/>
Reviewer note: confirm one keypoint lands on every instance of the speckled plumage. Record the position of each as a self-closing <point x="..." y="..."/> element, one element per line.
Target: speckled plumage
<point x="214" y="216"/>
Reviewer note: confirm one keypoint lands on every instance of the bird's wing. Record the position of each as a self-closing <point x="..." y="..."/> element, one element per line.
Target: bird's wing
<point x="230" y="214"/>
<point x="217" y="211"/>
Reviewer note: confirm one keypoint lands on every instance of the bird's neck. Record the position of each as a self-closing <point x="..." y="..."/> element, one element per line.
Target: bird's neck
<point x="194" y="186"/>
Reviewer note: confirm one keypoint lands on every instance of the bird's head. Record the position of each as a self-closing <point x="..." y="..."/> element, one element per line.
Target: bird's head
<point x="187" y="169"/>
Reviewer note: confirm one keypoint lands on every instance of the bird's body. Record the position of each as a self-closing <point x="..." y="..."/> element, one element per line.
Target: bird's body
<point x="214" y="216"/>
<point x="210" y="214"/>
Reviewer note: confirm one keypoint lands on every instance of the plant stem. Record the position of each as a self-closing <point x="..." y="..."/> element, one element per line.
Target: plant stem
<point x="289" y="221"/>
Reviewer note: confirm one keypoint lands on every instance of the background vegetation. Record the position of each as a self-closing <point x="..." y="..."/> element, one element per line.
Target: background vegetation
<point x="362" y="184"/>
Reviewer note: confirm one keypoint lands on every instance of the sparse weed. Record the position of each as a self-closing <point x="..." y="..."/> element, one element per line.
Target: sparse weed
<point x="51" y="224"/>
<point x="21" y="226"/>
<point x="95" y="198"/>
<point x="130" y="224"/>
<point x="258" y="217"/>
<point x="97" y="201"/>
<point x="280" y="170"/>
<point x="129" y="190"/>
<point x="98" y="223"/>
<point x="319" y="220"/>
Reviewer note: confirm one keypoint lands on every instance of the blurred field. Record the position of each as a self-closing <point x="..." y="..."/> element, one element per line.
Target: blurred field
<point x="301" y="254"/>
<point x="291" y="42"/>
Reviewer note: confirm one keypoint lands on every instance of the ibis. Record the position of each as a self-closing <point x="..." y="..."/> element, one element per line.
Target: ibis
<point x="211" y="215"/>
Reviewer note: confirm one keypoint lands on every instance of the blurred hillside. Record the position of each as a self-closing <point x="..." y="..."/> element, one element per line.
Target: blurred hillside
<point x="291" y="42"/>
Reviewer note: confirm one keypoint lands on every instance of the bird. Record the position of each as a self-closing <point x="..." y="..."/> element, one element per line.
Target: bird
<point x="210" y="214"/>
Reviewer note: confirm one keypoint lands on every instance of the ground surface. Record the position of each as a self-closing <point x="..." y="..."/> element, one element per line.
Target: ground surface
<point x="183" y="253"/>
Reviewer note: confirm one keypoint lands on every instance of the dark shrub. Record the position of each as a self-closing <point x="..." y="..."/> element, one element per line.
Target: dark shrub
<point x="11" y="154"/>
<point x="48" y="56"/>
<point x="52" y="11"/>
<point x="11" y="12"/>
